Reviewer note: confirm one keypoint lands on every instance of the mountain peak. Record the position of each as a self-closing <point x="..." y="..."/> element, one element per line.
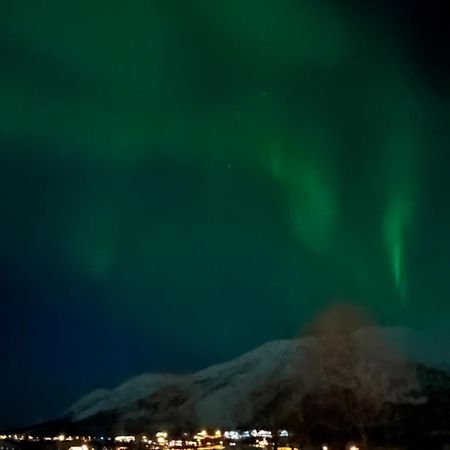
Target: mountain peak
<point x="223" y="394"/>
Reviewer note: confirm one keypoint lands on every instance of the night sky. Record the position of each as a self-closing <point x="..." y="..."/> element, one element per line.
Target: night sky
<point x="183" y="180"/>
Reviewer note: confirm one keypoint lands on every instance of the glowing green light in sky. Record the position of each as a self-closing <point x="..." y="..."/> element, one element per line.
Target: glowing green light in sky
<point x="397" y="218"/>
<point x="301" y="109"/>
<point x="312" y="195"/>
<point x="402" y="152"/>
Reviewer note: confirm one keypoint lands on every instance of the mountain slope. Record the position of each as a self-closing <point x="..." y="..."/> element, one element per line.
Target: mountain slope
<point x="264" y="383"/>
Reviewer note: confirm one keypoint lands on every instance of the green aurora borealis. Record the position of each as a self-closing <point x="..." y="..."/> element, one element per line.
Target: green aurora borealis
<point x="205" y="168"/>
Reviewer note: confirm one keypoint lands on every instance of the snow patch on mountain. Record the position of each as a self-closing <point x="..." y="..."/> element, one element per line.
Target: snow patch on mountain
<point x="128" y="392"/>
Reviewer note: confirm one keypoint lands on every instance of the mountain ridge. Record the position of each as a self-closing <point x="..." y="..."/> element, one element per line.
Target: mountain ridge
<point x="219" y="394"/>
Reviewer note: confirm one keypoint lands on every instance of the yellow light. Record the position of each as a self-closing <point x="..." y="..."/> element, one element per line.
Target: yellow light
<point x="61" y="437"/>
<point x="354" y="447"/>
<point x="324" y="447"/>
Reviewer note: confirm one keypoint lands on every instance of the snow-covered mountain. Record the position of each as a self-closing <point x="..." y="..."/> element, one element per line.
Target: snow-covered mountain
<point x="215" y="390"/>
<point x="239" y="391"/>
<point x="128" y="392"/>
